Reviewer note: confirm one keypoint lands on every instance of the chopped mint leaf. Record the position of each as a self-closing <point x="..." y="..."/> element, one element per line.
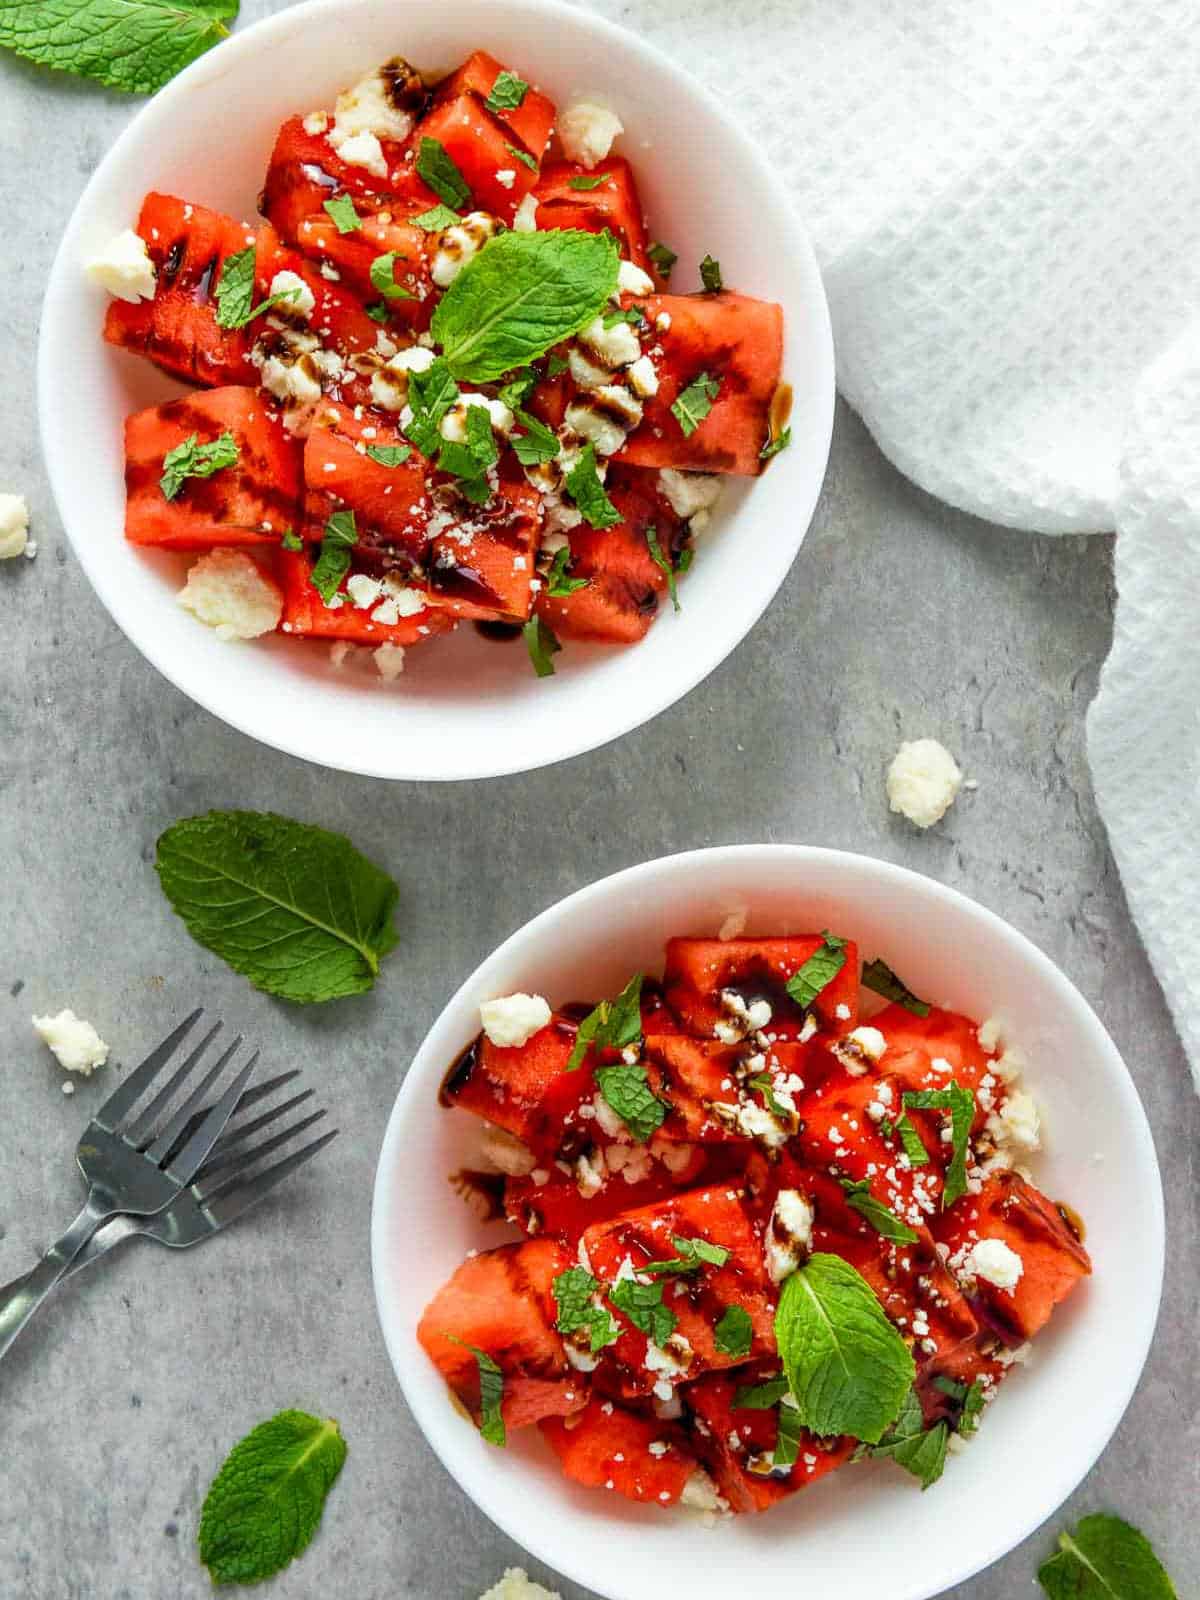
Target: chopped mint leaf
<point x="378" y="312"/>
<point x="383" y="277"/>
<point x="436" y="166"/>
<point x="764" y="1083"/>
<point x="760" y="1396"/>
<point x="775" y="445"/>
<point x="555" y="365"/>
<point x="588" y="183"/>
<point x="521" y="295"/>
<point x="294" y="909"/>
<point x="611" y="1025"/>
<point x="790" y="1432"/>
<point x="542" y="645"/>
<point x="734" y="1333"/>
<point x="660" y="560"/>
<point x="960" y="1103"/>
<point x="972" y="1410"/>
<point x="469" y="460"/>
<point x="1105" y="1559"/>
<point x="135" y="46"/>
<point x="291" y="540"/>
<point x="695" y="403"/>
<point x="389" y="455"/>
<point x="847" y="1367"/>
<point x="633" y="315"/>
<point x="913" y="1446"/>
<point x="910" y="1139"/>
<point x="235" y="289"/>
<point x="662" y="258"/>
<point x="573" y="1293"/>
<point x="491" y="1393"/>
<point x="889" y="1226"/>
<point x="523" y="156"/>
<point x="339" y="539"/>
<point x="436" y="220"/>
<point x="345" y="216"/>
<point x="627" y="1090"/>
<point x="558" y="584"/>
<point x="265" y="1504"/>
<point x="821" y="968"/>
<point x="710" y="275"/>
<point x="519" y="387"/>
<point x="877" y="975"/>
<point x="191" y="459"/>
<point x="508" y="93"/>
<point x="585" y="488"/>
<point x="535" y="443"/>
<point x="692" y="1255"/>
<point x="642" y="1304"/>
<point x="430" y="395"/>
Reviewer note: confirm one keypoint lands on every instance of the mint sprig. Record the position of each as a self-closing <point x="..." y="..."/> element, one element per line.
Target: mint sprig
<point x="491" y="1393"/>
<point x="774" y="445"/>
<point x="611" y="1025"/>
<point x="535" y="443"/>
<point x="760" y="1396"/>
<point x="662" y="257"/>
<point x="587" y="183"/>
<point x="913" y="1446"/>
<point x="191" y="459"/>
<point x="389" y="455"/>
<point x="789" y="1433"/>
<point x="821" y="968"/>
<point x="135" y="46"/>
<point x="295" y="909"/>
<point x="265" y="1504"/>
<point x="710" y="276"/>
<point x="430" y="396"/>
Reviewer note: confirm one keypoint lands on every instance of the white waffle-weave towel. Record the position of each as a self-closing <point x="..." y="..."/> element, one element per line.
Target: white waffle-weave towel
<point x="1005" y="199"/>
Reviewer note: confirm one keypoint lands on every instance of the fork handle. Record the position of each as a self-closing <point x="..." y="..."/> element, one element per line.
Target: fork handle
<point x="21" y="1298"/>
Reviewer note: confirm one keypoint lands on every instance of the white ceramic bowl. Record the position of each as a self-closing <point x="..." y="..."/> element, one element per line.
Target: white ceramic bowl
<point x="865" y="1533"/>
<point x="465" y="708"/>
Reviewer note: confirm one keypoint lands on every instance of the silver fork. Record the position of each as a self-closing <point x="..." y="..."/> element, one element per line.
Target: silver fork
<point x="226" y="1185"/>
<point x="134" y="1163"/>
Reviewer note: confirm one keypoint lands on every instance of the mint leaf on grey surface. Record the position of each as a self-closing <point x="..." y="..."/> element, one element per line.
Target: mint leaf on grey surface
<point x="542" y="644"/>
<point x="913" y="1446"/>
<point x="132" y="45"/>
<point x="611" y="1025"/>
<point x="695" y="402"/>
<point x="661" y="561"/>
<point x="293" y="908"/>
<point x="960" y="1103"/>
<point x="383" y="277"/>
<point x="760" y="1396"/>
<point x="734" y="1333"/>
<point x="585" y="488"/>
<point x="333" y="563"/>
<point x="847" y="1367"/>
<point x="558" y="584"/>
<point x="1105" y="1559"/>
<point x="627" y="1090"/>
<point x="642" y="1303"/>
<point x="821" y="968"/>
<point x="879" y="977"/>
<point x="522" y="294"/>
<point x="437" y="167"/>
<point x="889" y="1226"/>
<point x="265" y="1504"/>
<point x="191" y="459"/>
<point x="507" y="93"/>
<point x="710" y="275"/>
<point x="389" y="455"/>
<point x="345" y="217"/>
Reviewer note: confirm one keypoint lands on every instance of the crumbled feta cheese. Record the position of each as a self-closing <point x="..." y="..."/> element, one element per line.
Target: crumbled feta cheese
<point x="995" y="1262"/>
<point x="14" y="526"/>
<point x="399" y="600"/>
<point x="454" y="423"/>
<point x="690" y="493"/>
<point x="506" y="177"/>
<point x="389" y="383"/>
<point x="316" y="122"/>
<point x="513" y="1019"/>
<point x="506" y="1152"/>
<point x="590" y="1173"/>
<point x="789" y="1234"/>
<point x="605" y="417"/>
<point x="608" y="1119"/>
<point x="363" y="150"/>
<point x="632" y="280"/>
<point x="363" y="590"/>
<point x="700" y="1494"/>
<point x="301" y="302"/>
<point x="389" y="661"/>
<point x="586" y="131"/>
<point x="459" y="243"/>
<point x="1017" y="1122"/>
<point x="124" y="268"/>
<point x="525" y="216"/>
<point x="74" y="1043"/>
<point x="517" y="1585"/>
<point x="990" y="1034"/>
<point x="643" y="378"/>
<point x="870" y="1041"/>
<point x="613" y="347"/>
<point x="923" y="781"/>
<point x="371" y="108"/>
<point x="227" y="591"/>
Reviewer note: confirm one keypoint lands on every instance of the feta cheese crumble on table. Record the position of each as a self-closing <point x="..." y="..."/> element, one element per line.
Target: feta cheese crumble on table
<point x="14" y="526"/>
<point x="72" y="1041"/>
<point x="517" y="1585"/>
<point x="923" y="781"/>
<point x="513" y="1019"/>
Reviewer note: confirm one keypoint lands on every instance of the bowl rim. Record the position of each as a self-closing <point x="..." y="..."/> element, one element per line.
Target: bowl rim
<point x="659" y="692"/>
<point x="390" y="1167"/>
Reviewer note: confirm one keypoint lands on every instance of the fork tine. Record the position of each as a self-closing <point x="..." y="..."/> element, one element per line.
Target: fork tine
<point x="135" y="1084"/>
<point x="232" y="1199"/>
<point x="187" y="1163"/>
<point x="234" y="1136"/>
<point x="141" y="1130"/>
<point x="242" y="1160"/>
<point x="252" y="1096"/>
<point x="260" y="1091"/>
<point x="178" y="1121"/>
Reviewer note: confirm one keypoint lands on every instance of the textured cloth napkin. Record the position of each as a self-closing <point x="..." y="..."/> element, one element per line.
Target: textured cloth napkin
<point x="1004" y="196"/>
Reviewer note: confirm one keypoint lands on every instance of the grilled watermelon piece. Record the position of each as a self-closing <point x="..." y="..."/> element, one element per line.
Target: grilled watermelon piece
<point x="608" y="1446"/>
<point x="390" y="504"/>
<point x="529" y="124"/>
<point x="556" y="1207"/>
<point x="483" y="566"/>
<point x="481" y="146"/>
<point x="625" y="584"/>
<point x="250" y="503"/>
<point x="178" y="329"/>
<point x="728" y="337"/>
<point x="337" y="319"/>
<point x="611" y="205"/>
<point x="525" y="1089"/>
<point x="698" y="970"/>
<point x="743" y="1471"/>
<point x="306" y="616"/>
<point x="1052" y="1256"/>
<point x="502" y="1302"/>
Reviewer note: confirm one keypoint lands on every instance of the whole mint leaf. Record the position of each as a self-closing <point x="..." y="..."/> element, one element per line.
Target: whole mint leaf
<point x="132" y="45"/>
<point x="847" y="1367"/>
<point x="1105" y="1559"/>
<point x="265" y="1504"/>
<point x="520" y="296"/>
<point x="913" y="1446"/>
<point x="296" y="910"/>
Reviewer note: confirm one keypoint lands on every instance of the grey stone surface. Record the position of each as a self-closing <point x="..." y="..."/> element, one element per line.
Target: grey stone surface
<point x="900" y="617"/>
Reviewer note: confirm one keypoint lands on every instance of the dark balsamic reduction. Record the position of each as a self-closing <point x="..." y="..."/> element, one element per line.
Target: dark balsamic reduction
<point x="498" y="632"/>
